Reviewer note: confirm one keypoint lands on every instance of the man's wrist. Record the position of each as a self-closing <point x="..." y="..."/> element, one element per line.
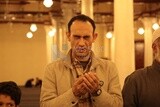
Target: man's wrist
<point x="97" y="93"/>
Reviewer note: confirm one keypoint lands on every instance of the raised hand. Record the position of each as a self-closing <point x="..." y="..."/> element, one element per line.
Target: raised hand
<point x="79" y="88"/>
<point x="91" y="82"/>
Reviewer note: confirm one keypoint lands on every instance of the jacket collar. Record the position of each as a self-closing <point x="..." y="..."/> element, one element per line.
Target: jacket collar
<point x="68" y="63"/>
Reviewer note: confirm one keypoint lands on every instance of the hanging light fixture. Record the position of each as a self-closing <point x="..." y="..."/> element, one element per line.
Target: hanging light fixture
<point x="48" y="3"/>
<point x="33" y="27"/>
<point x="52" y="32"/>
<point x="29" y="35"/>
<point x="141" y="31"/>
<point x="109" y="35"/>
<point x="155" y="26"/>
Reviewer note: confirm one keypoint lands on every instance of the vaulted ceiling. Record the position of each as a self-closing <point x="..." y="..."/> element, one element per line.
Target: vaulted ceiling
<point x="33" y="11"/>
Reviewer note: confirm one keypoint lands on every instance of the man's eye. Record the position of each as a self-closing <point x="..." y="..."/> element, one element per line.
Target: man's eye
<point x="10" y="105"/>
<point x="86" y="37"/>
<point x="76" y="37"/>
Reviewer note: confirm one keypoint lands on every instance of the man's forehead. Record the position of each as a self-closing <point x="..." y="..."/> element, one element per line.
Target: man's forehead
<point x="81" y="28"/>
<point x="81" y="32"/>
<point x="78" y="23"/>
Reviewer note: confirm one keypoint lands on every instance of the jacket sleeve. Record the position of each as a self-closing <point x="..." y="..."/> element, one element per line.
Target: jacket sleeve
<point x="129" y="92"/>
<point x="112" y="96"/>
<point x="49" y="95"/>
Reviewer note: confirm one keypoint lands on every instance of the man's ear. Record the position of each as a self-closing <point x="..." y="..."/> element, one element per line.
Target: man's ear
<point x="95" y="36"/>
<point x="68" y="36"/>
<point x="154" y="46"/>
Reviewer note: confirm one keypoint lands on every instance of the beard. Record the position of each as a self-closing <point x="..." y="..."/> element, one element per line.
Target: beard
<point x="81" y="52"/>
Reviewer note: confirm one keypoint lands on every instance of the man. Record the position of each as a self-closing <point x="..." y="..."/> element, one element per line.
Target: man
<point x="10" y="94"/>
<point x="142" y="87"/>
<point x="81" y="79"/>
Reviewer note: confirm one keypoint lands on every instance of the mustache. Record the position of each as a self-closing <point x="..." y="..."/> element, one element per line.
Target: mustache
<point x="82" y="48"/>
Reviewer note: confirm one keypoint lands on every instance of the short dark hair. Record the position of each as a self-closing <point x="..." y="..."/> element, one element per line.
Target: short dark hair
<point x="83" y="18"/>
<point x="11" y="89"/>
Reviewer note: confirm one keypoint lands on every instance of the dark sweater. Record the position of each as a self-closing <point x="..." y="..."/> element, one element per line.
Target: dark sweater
<point x="142" y="87"/>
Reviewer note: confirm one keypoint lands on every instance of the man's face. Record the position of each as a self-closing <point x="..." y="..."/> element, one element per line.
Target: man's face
<point x="81" y="37"/>
<point x="157" y="54"/>
<point x="6" y="101"/>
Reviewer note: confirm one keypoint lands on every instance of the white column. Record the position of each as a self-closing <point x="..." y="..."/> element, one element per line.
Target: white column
<point x="49" y="43"/>
<point x="112" y="48"/>
<point x="124" y="38"/>
<point x="106" y="47"/>
<point x="68" y="12"/>
<point x="87" y="7"/>
<point x="148" y="54"/>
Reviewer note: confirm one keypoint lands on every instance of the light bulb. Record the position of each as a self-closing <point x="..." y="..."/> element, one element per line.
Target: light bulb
<point x="109" y="35"/>
<point x="33" y="27"/>
<point x="141" y="31"/>
<point x="52" y="32"/>
<point x="155" y="26"/>
<point x="29" y="35"/>
<point x="48" y="3"/>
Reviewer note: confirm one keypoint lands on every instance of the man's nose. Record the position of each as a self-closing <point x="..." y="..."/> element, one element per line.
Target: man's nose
<point x="81" y="42"/>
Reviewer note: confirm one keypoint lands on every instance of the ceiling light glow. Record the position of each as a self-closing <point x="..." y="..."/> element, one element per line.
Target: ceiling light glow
<point x="33" y="27"/>
<point x="155" y="26"/>
<point x="109" y="35"/>
<point x="48" y="3"/>
<point x="141" y="31"/>
<point x="29" y="35"/>
<point x="52" y="32"/>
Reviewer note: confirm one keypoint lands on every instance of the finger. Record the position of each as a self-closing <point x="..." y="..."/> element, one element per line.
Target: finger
<point x="94" y="77"/>
<point x="82" y="90"/>
<point x="95" y="82"/>
<point x="87" y="83"/>
<point x="79" y="89"/>
<point x="98" y="81"/>
<point x="79" y="80"/>
<point x="91" y="78"/>
<point x="85" y="88"/>
<point x="93" y="86"/>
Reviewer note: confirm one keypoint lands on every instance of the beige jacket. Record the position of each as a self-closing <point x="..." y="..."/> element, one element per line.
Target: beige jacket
<point x="56" y="88"/>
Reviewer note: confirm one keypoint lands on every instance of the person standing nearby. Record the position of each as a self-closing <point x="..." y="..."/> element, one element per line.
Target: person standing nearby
<point x="142" y="87"/>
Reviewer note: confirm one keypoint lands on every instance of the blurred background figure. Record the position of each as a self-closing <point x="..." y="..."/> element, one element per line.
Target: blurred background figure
<point x="10" y="94"/>
<point x="29" y="83"/>
<point x="38" y="82"/>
